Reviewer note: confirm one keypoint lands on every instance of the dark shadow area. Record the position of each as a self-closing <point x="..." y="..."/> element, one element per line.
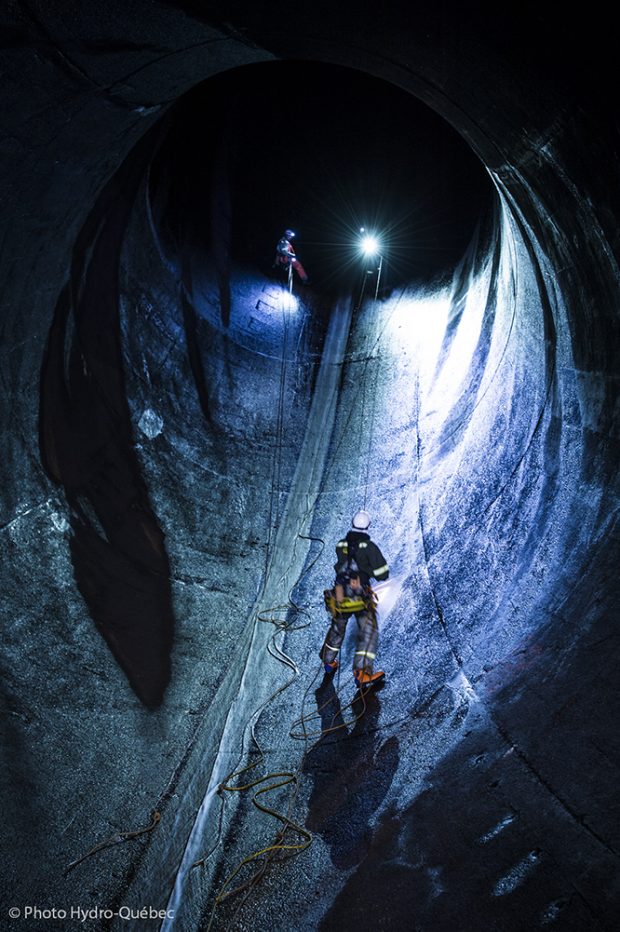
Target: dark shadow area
<point x="507" y="828"/>
<point x="191" y="329"/>
<point x="87" y="447"/>
<point x="352" y="768"/>
<point x="323" y="150"/>
<point x="490" y="806"/>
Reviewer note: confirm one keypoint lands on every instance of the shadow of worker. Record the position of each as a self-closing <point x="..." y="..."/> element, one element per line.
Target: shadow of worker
<point x="352" y="770"/>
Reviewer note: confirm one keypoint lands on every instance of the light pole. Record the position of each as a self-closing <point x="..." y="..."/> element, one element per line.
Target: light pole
<point x="370" y="247"/>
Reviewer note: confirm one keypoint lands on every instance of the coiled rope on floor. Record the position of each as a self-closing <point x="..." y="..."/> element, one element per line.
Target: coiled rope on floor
<point x="263" y="857"/>
<point x="277" y="779"/>
<point x="280" y="846"/>
<point x="298" y="727"/>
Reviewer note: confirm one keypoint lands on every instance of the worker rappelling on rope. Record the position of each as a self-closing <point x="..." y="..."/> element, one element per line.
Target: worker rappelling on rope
<point x="286" y="258"/>
<point x="359" y="560"/>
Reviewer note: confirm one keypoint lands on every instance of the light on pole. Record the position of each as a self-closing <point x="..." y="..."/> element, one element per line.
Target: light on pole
<point x="370" y="247"/>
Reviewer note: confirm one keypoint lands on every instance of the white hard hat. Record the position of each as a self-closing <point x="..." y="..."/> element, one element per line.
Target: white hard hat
<point x="360" y="521"/>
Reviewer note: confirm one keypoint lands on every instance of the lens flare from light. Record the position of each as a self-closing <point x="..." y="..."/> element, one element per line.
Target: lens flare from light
<point x="370" y="245"/>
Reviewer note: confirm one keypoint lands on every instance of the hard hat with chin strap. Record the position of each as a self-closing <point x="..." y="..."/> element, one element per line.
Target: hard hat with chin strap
<point x="360" y="521"/>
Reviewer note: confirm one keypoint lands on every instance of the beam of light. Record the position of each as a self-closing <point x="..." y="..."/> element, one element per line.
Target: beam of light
<point x="287" y="301"/>
<point x="369" y="245"/>
<point x="440" y="331"/>
<point x="417" y="321"/>
<point x="388" y="593"/>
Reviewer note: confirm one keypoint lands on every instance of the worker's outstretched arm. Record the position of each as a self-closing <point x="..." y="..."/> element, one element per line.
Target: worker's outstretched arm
<point x="380" y="568"/>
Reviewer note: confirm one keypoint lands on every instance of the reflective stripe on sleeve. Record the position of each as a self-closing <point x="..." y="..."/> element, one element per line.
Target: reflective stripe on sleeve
<point x="336" y="650"/>
<point x="365" y="653"/>
<point x="380" y="570"/>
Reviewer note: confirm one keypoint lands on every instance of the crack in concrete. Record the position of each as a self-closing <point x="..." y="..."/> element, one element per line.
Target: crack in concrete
<point x="522" y="756"/>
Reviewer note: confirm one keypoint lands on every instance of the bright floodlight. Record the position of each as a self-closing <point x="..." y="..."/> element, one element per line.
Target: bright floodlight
<point x="288" y="302"/>
<point x="370" y="245"/>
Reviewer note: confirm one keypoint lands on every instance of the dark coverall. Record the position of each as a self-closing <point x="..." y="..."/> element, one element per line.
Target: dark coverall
<point x="356" y="550"/>
<point x="285" y="256"/>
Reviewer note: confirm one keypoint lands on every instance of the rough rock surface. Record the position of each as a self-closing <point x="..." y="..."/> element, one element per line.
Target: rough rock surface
<point x="182" y="449"/>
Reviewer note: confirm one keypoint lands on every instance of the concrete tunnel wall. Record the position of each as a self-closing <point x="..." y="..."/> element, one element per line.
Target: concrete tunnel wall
<point x="493" y="482"/>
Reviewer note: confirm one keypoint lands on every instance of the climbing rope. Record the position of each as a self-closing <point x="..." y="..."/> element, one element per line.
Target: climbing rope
<point x="261" y="858"/>
<point x="345" y="431"/>
<point x="299" y="728"/>
<point x="278" y="779"/>
<point x="279" y="846"/>
<point x="117" y="839"/>
<point x="276" y="471"/>
<point x="320" y="733"/>
<point x="274" y="781"/>
<point x="272" y="615"/>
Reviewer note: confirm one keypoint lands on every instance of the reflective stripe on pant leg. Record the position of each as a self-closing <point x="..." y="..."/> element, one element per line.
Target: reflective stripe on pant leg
<point x="367" y="642"/>
<point x="334" y="639"/>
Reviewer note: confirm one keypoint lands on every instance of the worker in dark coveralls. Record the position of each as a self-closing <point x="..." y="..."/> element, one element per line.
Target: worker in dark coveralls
<point x="358" y="561"/>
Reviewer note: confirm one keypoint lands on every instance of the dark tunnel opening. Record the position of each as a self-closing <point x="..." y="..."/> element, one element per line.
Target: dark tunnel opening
<point x="204" y="437"/>
<point x="324" y="150"/>
<point x="214" y="202"/>
<point x="210" y="200"/>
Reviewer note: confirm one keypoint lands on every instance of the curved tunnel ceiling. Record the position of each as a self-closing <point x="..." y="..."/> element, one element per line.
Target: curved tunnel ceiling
<point x="193" y="426"/>
<point x="322" y="149"/>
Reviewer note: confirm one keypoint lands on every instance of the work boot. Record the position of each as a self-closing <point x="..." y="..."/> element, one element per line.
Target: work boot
<point x="331" y="667"/>
<point x="364" y="678"/>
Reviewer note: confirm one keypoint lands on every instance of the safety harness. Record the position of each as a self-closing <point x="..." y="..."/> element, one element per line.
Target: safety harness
<point x="368" y="601"/>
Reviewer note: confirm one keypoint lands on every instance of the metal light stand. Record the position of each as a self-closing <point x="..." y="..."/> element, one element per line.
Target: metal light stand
<point x="378" y="276"/>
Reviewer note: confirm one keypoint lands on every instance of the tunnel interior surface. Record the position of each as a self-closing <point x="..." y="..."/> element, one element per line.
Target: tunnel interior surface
<point x="188" y="433"/>
<point x="324" y="150"/>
